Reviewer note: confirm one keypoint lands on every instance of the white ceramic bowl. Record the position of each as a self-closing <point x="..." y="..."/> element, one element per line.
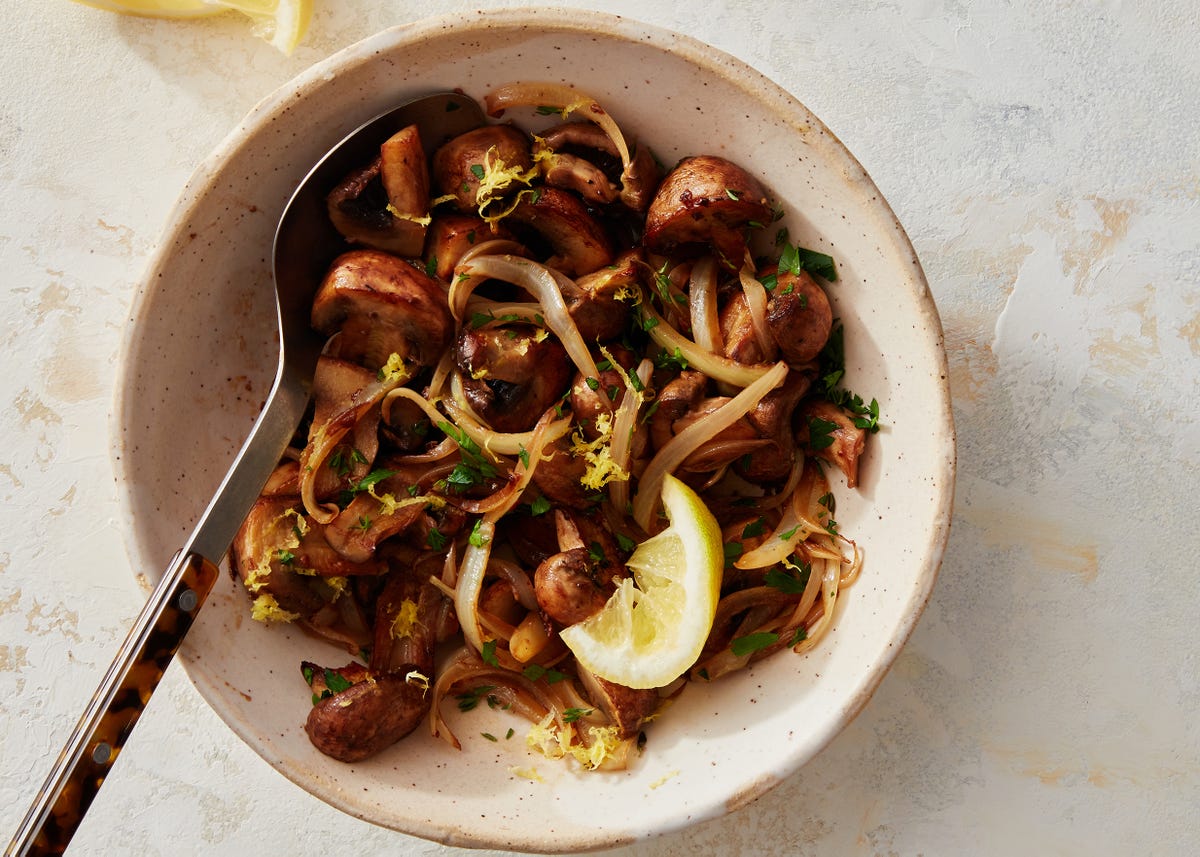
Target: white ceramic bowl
<point x="201" y="354"/>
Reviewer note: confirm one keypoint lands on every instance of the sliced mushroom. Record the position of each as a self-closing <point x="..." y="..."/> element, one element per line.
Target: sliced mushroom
<point x="599" y="302"/>
<point x="272" y="546"/>
<point x="578" y="242"/>
<point x="772" y="420"/>
<point x="358" y="209"/>
<point x="335" y="383"/>
<point x="406" y="616"/>
<point x="828" y="432"/>
<point x="640" y="179"/>
<point x="799" y="317"/>
<point x="452" y="235"/>
<point x="627" y="708"/>
<point x="362" y="525"/>
<point x="369" y="716"/>
<point x="512" y="374"/>
<point x="405" y="175"/>
<point x="727" y="446"/>
<point x="737" y="331"/>
<point x="461" y="167"/>
<point x="559" y="476"/>
<point x="637" y="181"/>
<point x="571" y="172"/>
<point x="707" y="201"/>
<point x="383" y="306"/>
<point x="675" y="399"/>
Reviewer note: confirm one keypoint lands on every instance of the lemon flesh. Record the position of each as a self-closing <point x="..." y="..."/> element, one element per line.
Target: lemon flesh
<point x="281" y="22"/>
<point x="655" y="624"/>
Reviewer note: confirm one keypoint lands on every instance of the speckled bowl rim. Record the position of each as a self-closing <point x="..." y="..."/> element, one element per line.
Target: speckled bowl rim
<point x="712" y="61"/>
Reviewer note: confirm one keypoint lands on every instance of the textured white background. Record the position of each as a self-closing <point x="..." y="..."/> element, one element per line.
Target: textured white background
<point x="1044" y="156"/>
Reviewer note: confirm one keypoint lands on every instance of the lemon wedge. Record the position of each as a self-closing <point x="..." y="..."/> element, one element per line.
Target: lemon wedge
<point x="281" y="22"/>
<point x="654" y="626"/>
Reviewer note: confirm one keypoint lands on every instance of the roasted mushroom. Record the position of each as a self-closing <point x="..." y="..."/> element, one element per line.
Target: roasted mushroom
<point x="383" y="306"/>
<point x="706" y="201"/>
<point x="578" y="242"/>
<point x="385" y="205"/>
<point x="511" y="374"/>
<point x="829" y="433"/>
<point x="481" y="165"/>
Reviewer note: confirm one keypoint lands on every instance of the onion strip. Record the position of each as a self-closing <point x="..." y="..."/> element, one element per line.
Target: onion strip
<point x="687" y="441"/>
<point x="713" y="365"/>
<point x="546" y="285"/>
<point x="756" y="302"/>
<point x="558" y="95"/>
<point x="702" y="304"/>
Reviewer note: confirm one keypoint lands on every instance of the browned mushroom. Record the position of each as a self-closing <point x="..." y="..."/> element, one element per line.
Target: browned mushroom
<point x="511" y="374"/>
<point x="727" y="446"/>
<point x="708" y="201"/>
<point x="405" y="175"/>
<point x="385" y="205"/>
<point x="737" y="331"/>
<point x="461" y="167"/>
<point x="452" y="235"/>
<point x="626" y="707"/>
<point x="574" y="583"/>
<point x="675" y="399"/>
<point x="771" y="418"/>
<point x="369" y="716"/>
<point x="640" y="179"/>
<point x="578" y="242"/>
<point x="637" y="181"/>
<point x="799" y="317"/>
<point x="272" y="547"/>
<point x="383" y="306"/>
<point x="560" y="474"/>
<point x="828" y="432"/>
<point x="599" y="302"/>
<point x="591" y="397"/>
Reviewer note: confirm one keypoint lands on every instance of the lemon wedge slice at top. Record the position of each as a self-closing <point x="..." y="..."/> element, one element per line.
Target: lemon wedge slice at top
<point x="654" y="626"/>
<point x="281" y="22"/>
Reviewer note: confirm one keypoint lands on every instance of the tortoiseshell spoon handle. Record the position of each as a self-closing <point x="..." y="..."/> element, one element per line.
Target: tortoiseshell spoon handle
<point x="122" y="696"/>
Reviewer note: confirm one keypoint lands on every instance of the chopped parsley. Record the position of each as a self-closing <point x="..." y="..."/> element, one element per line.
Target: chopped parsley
<point x="488" y="653"/>
<point x="820" y="432"/>
<point x="795" y="259"/>
<point x="477" y="538"/>
<point x="791" y="580"/>
<point x="751" y="643"/>
<point x="469" y="700"/>
<point x="474" y="468"/>
<point x="573" y="714"/>
<point x="436" y="539"/>
<point x="535" y="672"/>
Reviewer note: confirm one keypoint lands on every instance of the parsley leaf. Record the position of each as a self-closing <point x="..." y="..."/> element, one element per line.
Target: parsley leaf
<point x="820" y="432"/>
<point x="337" y="682"/>
<point x="573" y="714"/>
<point x="540" y="506"/>
<point x="787" y="581"/>
<point x="753" y="642"/>
<point x="488" y="653"/>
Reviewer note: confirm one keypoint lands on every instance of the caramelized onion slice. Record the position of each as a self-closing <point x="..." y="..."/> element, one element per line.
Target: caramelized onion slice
<point x="687" y="441"/>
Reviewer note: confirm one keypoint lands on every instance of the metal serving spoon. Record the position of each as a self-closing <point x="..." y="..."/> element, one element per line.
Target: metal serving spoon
<point x="305" y="244"/>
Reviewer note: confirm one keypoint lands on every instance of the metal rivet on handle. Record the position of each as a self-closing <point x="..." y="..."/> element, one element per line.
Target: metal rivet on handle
<point x="188" y="601"/>
<point x="101" y="753"/>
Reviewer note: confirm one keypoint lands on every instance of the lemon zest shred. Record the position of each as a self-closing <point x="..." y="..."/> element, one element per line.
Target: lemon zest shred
<point x="419" y="219"/>
<point x="529" y="773"/>
<point x="406" y="620"/>
<point x="601" y="468"/>
<point x="603" y="742"/>
<point x="393" y="370"/>
<point x="267" y="609"/>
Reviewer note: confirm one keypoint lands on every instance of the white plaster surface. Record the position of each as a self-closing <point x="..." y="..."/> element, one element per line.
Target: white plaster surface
<point x="1045" y="159"/>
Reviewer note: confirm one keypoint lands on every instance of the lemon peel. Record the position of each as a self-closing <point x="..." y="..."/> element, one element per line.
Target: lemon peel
<point x="283" y="23"/>
<point x="654" y="626"/>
